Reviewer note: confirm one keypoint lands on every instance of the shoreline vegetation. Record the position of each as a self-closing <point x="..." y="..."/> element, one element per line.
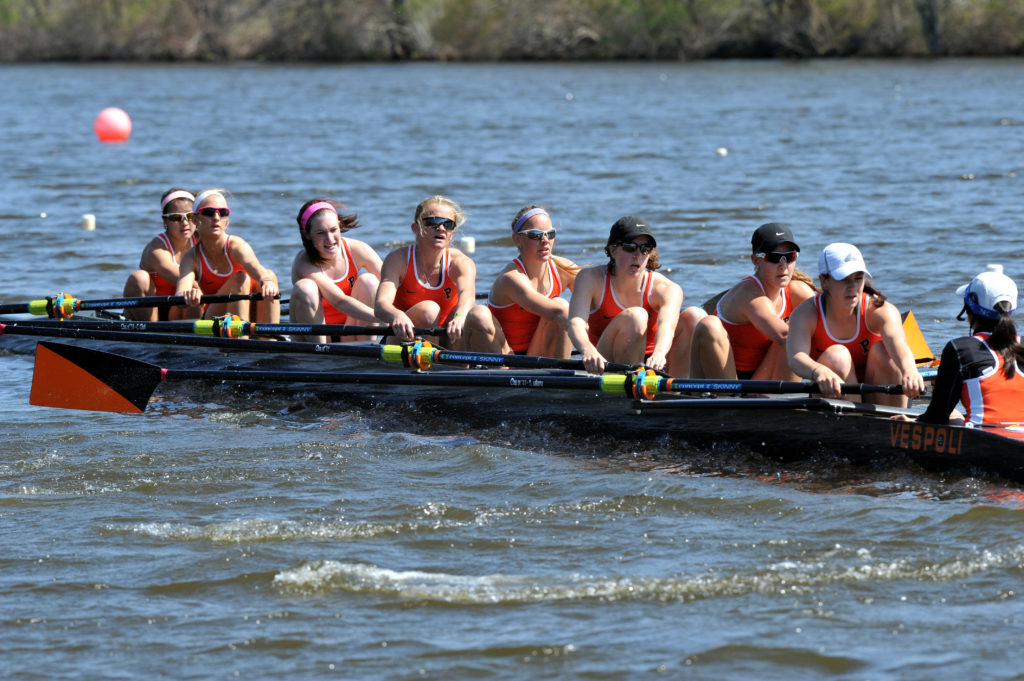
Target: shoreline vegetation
<point x="504" y="30"/>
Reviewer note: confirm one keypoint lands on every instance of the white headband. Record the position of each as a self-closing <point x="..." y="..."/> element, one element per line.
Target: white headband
<point x="205" y="195"/>
<point x="179" y="194"/>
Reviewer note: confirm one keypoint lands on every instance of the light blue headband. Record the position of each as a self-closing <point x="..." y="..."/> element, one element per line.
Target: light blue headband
<point x="526" y="216"/>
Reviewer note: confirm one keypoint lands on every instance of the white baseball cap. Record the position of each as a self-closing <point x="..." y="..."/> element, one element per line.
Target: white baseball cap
<point x="985" y="291"/>
<point x="839" y="260"/>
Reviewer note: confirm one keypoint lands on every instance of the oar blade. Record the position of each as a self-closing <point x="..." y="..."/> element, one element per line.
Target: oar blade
<point x="72" y="377"/>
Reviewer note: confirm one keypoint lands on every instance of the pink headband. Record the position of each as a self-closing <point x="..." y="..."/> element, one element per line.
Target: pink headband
<point x="180" y="194"/>
<point x="526" y="216"/>
<point x="314" y="208"/>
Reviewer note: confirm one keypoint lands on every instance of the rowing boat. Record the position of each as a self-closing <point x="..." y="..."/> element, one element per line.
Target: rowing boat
<point x="791" y="425"/>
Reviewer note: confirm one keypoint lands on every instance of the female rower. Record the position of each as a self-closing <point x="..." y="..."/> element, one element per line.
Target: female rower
<point x="525" y="312"/>
<point x="158" y="267"/>
<point x="746" y="335"/>
<point x="334" y="278"/>
<point x="985" y="370"/>
<point x="624" y="311"/>
<point x="222" y="263"/>
<point x="834" y="336"/>
<point x="428" y="284"/>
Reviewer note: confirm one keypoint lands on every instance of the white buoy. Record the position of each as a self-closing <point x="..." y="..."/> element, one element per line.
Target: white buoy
<point x="467" y="244"/>
<point x="722" y="151"/>
<point x="994" y="267"/>
<point x="88" y="222"/>
<point x="42" y="215"/>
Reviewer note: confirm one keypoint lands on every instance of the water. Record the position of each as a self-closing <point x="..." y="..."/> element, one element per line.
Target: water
<point x="226" y="534"/>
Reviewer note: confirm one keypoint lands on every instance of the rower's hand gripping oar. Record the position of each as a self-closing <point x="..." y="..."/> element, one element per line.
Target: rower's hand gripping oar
<point x="62" y="306"/>
<point x="74" y="377"/>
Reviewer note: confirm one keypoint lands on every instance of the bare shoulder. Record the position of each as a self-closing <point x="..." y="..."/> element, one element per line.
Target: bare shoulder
<point x="883" y="314"/>
<point x="301" y="264"/>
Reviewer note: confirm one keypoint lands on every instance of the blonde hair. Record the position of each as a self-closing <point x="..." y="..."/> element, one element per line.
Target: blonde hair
<point x="460" y="217"/>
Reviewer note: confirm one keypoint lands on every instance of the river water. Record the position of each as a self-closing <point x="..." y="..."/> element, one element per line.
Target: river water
<point x="245" y="535"/>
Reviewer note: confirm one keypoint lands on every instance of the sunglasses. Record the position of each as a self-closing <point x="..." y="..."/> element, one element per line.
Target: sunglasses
<point x="776" y="258"/>
<point x="177" y="217"/>
<point x="436" y="220"/>
<point x="210" y="211"/>
<point x="632" y="247"/>
<point x="538" y="234"/>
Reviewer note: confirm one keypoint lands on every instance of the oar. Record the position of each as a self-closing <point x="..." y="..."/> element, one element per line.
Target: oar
<point x="63" y="306"/>
<point x="224" y="328"/>
<point x="416" y="355"/>
<point x="74" y="377"/>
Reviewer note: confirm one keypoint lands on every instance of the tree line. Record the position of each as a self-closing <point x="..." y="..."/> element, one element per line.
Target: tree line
<point x="486" y="30"/>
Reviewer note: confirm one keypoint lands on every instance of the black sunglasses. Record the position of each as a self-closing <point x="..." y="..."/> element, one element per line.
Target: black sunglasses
<point x="436" y="220"/>
<point x="776" y="258"/>
<point x="210" y="211"/>
<point x="632" y="247"/>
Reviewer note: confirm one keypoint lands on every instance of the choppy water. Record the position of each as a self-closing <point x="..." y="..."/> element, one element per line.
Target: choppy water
<point x="225" y="535"/>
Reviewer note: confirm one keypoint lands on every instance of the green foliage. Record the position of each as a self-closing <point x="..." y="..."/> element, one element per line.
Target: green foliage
<point x="505" y="29"/>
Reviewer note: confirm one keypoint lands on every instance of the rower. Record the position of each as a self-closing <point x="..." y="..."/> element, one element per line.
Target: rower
<point x="985" y="370"/>
<point x="624" y="311"/>
<point x="849" y="333"/>
<point x="222" y="263"/>
<point x="158" y="266"/>
<point x="745" y="337"/>
<point x="525" y="313"/>
<point x="429" y="283"/>
<point x="334" y="278"/>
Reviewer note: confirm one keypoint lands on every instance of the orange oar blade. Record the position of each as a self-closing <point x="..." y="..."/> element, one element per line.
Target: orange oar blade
<point x="915" y="339"/>
<point x="71" y="377"/>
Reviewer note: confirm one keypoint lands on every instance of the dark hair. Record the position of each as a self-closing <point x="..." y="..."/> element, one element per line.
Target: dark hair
<point x="1003" y="336"/>
<point x="347" y="222"/>
<point x="875" y="297"/>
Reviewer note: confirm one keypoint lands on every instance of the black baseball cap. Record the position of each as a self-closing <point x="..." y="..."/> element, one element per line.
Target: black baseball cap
<point x="770" y="235"/>
<point x="628" y="228"/>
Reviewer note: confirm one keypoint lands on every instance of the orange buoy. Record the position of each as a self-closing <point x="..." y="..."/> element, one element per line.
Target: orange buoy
<point x="112" y="125"/>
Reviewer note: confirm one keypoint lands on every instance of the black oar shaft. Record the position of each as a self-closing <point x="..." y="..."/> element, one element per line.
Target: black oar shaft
<point x="451" y="379"/>
<point x="772" y="387"/>
<point x="45" y="306"/>
<point x="204" y="328"/>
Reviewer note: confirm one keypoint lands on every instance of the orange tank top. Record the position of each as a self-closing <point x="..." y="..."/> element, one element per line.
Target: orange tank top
<point x="333" y="315"/>
<point x="609" y="308"/>
<point x="859" y="345"/>
<point x="749" y="346"/>
<point x="211" y="281"/>
<point x="412" y="290"/>
<point x="992" y="398"/>
<point x="518" y="324"/>
<point x="162" y="286"/>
